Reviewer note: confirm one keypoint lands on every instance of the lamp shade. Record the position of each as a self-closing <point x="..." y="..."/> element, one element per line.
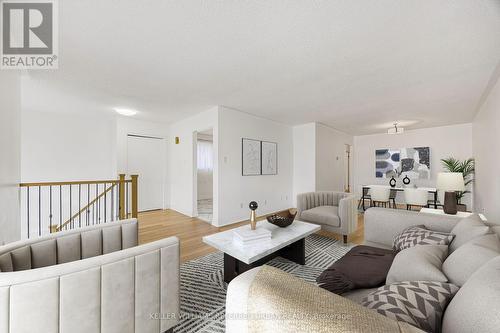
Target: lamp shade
<point x="450" y="181"/>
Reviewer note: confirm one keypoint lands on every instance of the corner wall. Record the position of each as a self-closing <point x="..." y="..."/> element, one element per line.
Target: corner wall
<point x="486" y="143"/>
<point x="10" y="161"/>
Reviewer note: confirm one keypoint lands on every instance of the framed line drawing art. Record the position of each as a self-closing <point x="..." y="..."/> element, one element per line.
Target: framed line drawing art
<point x="269" y="158"/>
<point x="251" y="157"/>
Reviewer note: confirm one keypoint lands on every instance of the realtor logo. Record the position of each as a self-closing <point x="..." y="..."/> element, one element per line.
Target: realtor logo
<point x="29" y="34"/>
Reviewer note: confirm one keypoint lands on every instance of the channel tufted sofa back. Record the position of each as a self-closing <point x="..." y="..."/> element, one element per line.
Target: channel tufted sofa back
<point x="94" y="279"/>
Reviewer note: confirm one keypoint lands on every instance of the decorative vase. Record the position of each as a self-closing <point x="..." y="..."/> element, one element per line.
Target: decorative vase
<point x="253" y="216"/>
<point x="392" y="182"/>
<point x="406" y="180"/>
<point x="450" y="203"/>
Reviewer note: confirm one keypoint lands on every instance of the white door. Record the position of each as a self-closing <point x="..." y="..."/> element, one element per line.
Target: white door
<point x="146" y="158"/>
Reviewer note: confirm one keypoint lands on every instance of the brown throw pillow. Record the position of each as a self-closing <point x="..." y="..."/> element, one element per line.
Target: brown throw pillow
<point x="362" y="267"/>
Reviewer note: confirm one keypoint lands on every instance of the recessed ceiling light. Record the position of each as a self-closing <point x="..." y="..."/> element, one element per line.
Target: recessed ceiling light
<point x="126" y="112"/>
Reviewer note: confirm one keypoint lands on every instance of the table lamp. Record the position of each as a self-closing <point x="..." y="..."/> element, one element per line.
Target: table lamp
<point x="450" y="183"/>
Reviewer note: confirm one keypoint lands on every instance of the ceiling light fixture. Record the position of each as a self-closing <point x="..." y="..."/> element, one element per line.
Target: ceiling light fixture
<point x="395" y="129"/>
<point x="126" y="112"/>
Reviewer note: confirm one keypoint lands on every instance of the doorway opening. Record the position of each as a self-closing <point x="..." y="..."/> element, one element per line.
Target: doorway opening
<point x="205" y="174"/>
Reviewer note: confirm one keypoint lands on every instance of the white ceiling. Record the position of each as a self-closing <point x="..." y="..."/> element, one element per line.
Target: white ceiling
<point x="353" y="65"/>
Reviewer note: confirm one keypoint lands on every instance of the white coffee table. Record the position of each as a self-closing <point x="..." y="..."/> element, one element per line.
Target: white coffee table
<point x="286" y="242"/>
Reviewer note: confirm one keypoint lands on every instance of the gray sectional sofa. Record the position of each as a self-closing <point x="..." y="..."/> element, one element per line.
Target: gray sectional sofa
<point x="94" y="279"/>
<point x="473" y="264"/>
<point x="333" y="211"/>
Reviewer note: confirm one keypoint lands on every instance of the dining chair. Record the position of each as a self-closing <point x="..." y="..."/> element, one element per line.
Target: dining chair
<point x="366" y="196"/>
<point x="380" y="196"/>
<point x="415" y="197"/>
<point x="392" y="197"/>
<point x="440" y="201"/>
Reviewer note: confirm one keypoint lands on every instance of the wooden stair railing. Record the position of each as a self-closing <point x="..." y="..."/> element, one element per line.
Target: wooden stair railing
<point x="76" y="203"/>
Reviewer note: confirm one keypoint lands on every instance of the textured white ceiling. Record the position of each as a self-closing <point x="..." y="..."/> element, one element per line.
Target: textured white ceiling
<point x="356" y="65"/>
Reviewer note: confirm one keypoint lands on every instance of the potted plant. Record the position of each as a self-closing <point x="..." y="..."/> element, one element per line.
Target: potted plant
<point x="467" y="169"/>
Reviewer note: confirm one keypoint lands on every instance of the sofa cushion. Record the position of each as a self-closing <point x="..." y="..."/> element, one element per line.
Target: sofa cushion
<point x="328" y="215"/>
<point x="68" y="248"/>
<point x="419" y="263"/>
<point x="475" y="307"/>
<point x="6" y="263"/>
<point x="129" y="235"/>
<point x="111" y="239"/>
<point x="419" y="303"/>
<point x="21" y="258"/>
<point x="469" y="257"/>
<point x="419" y="235"/>
<point x="91" y="243"/>
<point x="467" y="229"/>
<point x="43" y="254"/>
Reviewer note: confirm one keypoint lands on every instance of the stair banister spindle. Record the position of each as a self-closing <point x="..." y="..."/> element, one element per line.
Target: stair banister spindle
<point x="60" y="204"/>
<point x="88" y="204"/>
<point x="121" y="189"/>
<point x="70" y="206"/>
<point x="105" y="204"/>
<point x="51" y="228"/>
<point x="28" y="210"/>
<point x="39" y="210"/>
<point x="79" y="205"/>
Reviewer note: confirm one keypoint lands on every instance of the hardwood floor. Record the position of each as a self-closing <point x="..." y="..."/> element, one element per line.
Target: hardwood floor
<point x="155" y="225"/>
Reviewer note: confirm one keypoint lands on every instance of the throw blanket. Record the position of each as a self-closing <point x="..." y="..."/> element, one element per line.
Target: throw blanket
<point x="280" y="302"/>
<point x="362" y="267"/>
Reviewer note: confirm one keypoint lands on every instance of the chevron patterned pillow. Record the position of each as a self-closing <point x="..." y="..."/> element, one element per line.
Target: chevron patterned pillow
<point x="418" y="303"/>
<point x="418" y="235"/>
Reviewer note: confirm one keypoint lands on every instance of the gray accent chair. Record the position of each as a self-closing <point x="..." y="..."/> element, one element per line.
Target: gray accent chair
<point x="93" y="279"/>
<point x="333" y="211"/>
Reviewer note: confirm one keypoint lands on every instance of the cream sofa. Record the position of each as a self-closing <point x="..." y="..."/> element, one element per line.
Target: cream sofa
<point x="475" y="308"/>
<point x="94" y="279"/>
<point x="333" y="211"/>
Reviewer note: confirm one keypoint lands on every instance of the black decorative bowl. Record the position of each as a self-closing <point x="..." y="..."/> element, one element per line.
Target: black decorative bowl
<point x="283" y="220"/>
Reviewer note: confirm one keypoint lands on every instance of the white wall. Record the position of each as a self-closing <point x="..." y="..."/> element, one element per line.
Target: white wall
<point x="304" y="159"/>
<point x="181" y="161"/>
<point x="486" y="142"/>
<point x="10" y="161"/>
<point x="319" y="159"/>
<point x="60" y="147"/>
<point x="331" y="158"/>
<point x="273" y="192"/>
<point x="454" y="141"/>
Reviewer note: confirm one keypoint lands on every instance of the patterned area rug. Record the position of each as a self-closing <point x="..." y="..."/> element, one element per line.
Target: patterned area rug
<point x="203" y="290"/>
